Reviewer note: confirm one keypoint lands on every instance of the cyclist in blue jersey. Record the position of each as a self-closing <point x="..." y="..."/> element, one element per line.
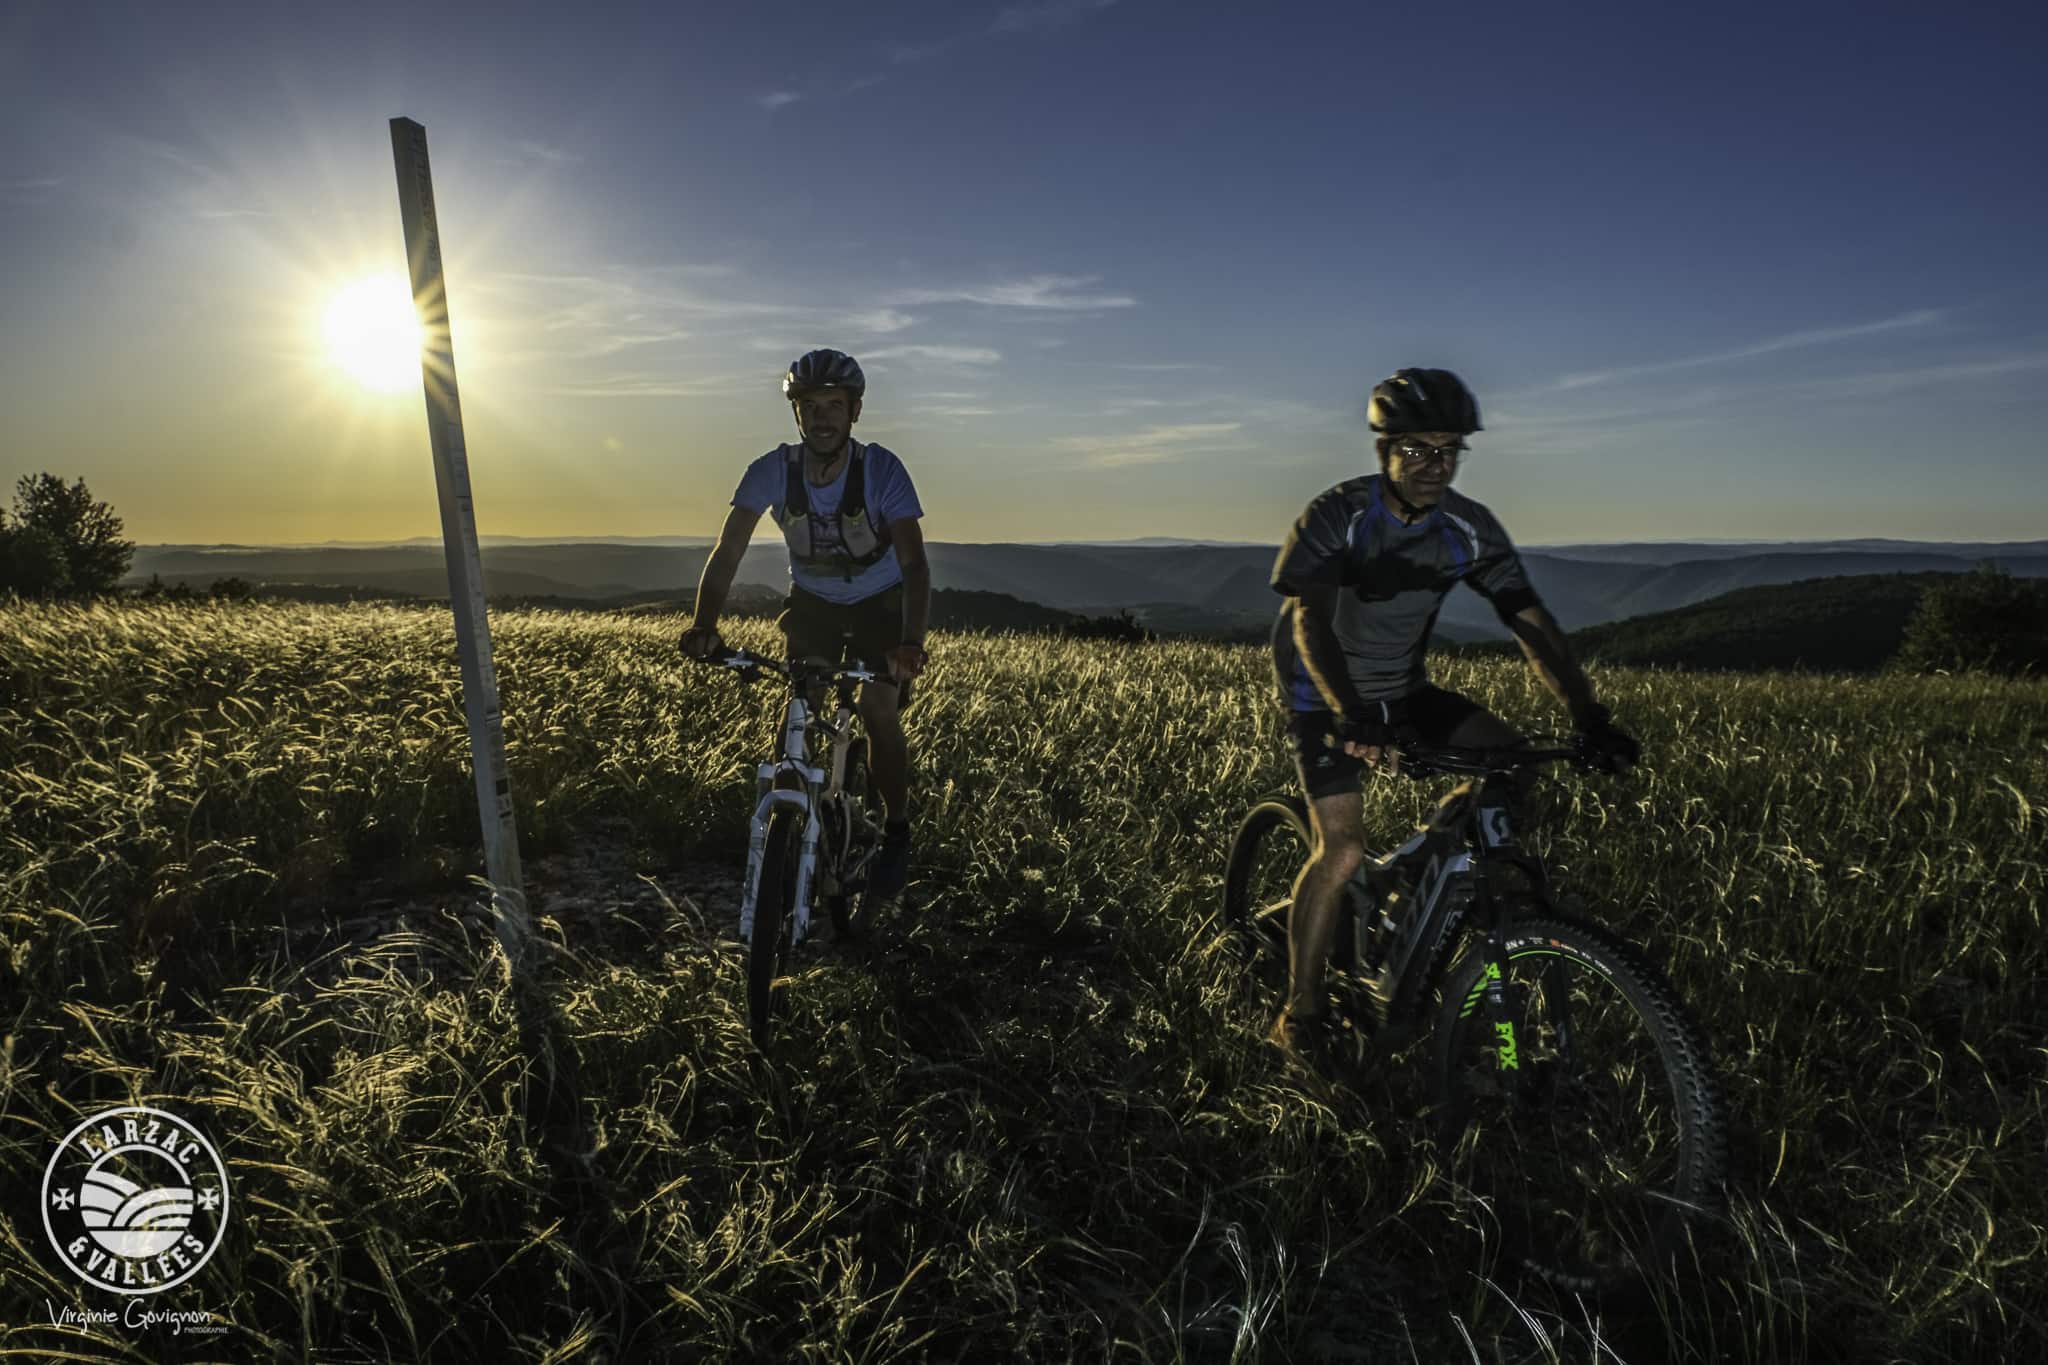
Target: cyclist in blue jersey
<point x="1365" y="570"/>
<point x="857" y="568"/>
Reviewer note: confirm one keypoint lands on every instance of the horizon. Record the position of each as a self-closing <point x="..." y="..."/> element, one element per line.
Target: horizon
<point x="1805" y="305"/>
<point x="1138" y="541"/>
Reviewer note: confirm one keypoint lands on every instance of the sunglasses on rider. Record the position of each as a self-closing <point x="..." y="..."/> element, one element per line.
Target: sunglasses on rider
<point x="1421" y="452"/>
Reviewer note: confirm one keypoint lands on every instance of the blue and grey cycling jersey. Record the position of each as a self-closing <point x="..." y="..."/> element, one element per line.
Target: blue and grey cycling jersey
<point x="1395" y="577"/>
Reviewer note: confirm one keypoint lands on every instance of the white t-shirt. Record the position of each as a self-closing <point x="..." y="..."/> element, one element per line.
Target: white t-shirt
<point x="890" y="496"/>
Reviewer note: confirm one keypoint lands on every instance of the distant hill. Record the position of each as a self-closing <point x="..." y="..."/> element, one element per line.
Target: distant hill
<point x="961" y="609"/>
<point x="1848" y="624"/>
<point x="1214" y="590"/>
<point x="1580" y="592"/>
<point x="1679" y="551"/>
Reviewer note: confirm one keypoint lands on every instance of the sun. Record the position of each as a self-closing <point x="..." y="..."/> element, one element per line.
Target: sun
<point x="373" y="333"/>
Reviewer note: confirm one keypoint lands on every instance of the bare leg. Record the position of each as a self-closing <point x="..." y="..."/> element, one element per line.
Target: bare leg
<point x="888" y="748"/>
<point x="1338" y="825"/>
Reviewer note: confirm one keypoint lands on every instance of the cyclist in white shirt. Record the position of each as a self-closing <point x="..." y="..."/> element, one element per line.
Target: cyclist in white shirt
<point x="858" y="574"/>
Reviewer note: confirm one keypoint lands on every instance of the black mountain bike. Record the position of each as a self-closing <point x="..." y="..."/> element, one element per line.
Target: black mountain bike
<point x="1573" y="1094"/>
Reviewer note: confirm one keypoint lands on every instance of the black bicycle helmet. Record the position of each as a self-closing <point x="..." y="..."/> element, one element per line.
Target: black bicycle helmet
<point x="824" y="369"/>
<point x="1422" y="400"/>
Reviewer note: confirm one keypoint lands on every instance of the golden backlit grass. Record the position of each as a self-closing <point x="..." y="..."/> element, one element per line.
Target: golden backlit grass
<point x="1032" y="1118"/>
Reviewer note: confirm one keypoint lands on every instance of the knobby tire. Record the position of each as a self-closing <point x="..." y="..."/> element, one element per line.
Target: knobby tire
<point x="1605" y="1142"/>
<point x="774" y="918"/>
<point x="1266" y="854"/>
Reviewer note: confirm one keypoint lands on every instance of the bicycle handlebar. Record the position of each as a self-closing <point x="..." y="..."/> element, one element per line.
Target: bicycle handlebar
<point x="1420" y="761"/>
<point x="745" y="661"/>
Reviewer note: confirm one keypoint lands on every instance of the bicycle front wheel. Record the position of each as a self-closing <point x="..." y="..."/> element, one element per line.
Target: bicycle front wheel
<point x="851" y="909"/>
<point x="774" y="918"/>
<point x="1266" y="855"/>
<point x="1578" y="1103"/>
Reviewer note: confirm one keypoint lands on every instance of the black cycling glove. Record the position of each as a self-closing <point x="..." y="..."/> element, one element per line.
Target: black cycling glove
<point x="1605" y="746"/>
<point x="1378" y="724"/>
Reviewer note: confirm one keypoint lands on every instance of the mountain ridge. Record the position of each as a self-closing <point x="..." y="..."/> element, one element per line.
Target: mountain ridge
<point x="1198" y="587"/>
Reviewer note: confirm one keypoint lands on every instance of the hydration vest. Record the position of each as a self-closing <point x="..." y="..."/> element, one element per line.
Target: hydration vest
<point x="862" y="539"/>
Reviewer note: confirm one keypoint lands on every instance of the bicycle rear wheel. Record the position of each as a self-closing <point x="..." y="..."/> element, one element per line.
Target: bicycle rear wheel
<point x="1582" y="1107"/>
<point x="1266" y="855"/>
<point x="774" y="918"/>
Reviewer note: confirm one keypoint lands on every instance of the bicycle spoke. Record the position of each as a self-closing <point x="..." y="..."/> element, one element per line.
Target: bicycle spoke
<point x="1557" y="993"/>
<point x="1577" y="1147"/>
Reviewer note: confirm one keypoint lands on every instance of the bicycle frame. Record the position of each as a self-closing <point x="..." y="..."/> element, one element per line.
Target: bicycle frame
<point x="1454" y="853"/>
<point x="1441" y="868"/>
<point x="791" y="779"/>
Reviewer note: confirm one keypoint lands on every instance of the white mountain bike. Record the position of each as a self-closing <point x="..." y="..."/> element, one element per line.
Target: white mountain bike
<point x="815" y="830"/>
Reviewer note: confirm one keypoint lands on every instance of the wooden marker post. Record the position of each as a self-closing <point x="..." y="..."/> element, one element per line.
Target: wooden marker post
<point x="458" y="537"/>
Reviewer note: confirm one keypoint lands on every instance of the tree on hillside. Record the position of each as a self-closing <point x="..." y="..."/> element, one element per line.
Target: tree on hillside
<point x="156" y="590"/>
<point x="32" y="561"/>
<point x="60" y="540"/>
<point x="1984" y="620"/>
<point x="1123" y="628"/>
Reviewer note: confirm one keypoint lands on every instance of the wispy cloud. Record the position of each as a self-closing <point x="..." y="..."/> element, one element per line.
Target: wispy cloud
<point x="1049" y="14"/>
<point x="1151" y="445"/>
<point x="647" y="316"/>
<point x="601" y="314"/>
<point x="946" y="410"/>
<point x="1860" y="384"/>
<point x="878" y="321"/>
<point x="1819" y="336"/>
<point x="545" y="152"/>
<point x="944" y="355"/>
<point x="776" y="99"/>
<point x="1127" y="407"/>
<point x="1035" y="291"/>
<point x="1009" y="21"/>
<point x="1621" y="424"/>
<point x="1879" y="382"/>
<point x="1509" y="412"/>
<point x="626" y="341"/>
<point x="644" y="384"/>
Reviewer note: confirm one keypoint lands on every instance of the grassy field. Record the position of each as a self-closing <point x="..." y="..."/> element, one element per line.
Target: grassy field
<point x="1032" y="1119"/>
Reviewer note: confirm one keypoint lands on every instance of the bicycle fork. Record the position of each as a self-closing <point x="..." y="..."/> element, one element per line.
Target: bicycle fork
<point x="1509" y="1006"/>
<point x="1505" y="1007"/>
<point x="757" y="846"/>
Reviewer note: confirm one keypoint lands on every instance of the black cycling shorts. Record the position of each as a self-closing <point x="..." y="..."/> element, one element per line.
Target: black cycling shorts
<point x="867" y="630"/>
<point x="1434" y="713"/>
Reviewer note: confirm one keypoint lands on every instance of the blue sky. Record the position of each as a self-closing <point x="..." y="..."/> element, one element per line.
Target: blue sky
<point x="1115" y="269"/>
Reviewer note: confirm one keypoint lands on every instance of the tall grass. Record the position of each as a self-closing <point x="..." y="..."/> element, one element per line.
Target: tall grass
<point x="1032" y="1118"/>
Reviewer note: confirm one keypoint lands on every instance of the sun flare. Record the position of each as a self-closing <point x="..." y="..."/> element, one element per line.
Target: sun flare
<point x="373" y="333"/>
